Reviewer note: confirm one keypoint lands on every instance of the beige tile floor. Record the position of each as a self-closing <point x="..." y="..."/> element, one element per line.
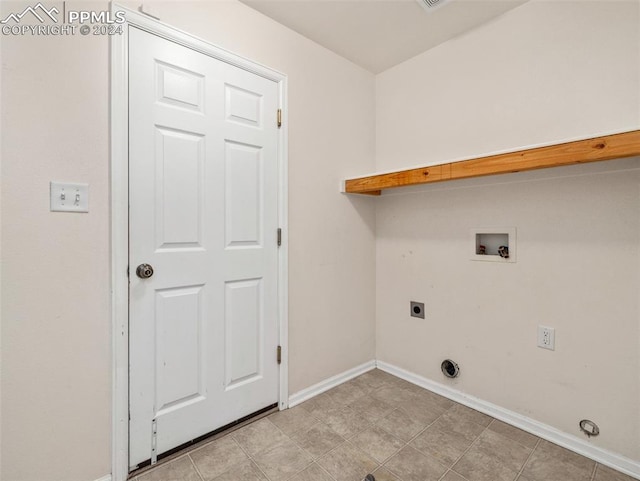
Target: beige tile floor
<point x="377" y="423"/>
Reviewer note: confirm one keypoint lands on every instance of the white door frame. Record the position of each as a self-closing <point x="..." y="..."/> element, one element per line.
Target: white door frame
<point x="119" y="142"/>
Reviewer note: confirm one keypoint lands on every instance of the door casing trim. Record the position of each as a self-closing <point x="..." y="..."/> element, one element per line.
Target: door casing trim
<point x="119" y="185"/>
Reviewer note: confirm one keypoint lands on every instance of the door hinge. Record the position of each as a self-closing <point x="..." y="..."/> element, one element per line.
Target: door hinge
<point x="279" y="236"/>
<point x="154" y="442"/>
<point x="279" y="118"/>
<point x="279" y="354"/>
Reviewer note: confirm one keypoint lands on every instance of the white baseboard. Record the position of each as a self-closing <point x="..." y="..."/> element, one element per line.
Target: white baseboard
<point x="544" y="431"/>
<point x="327" y="384"/>
<point x="105" y="478"/>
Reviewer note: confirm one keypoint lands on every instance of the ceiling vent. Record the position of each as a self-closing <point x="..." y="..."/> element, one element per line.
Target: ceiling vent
<point x="431" y="5"/>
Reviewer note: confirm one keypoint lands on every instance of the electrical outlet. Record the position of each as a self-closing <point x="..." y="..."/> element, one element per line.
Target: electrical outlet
<point x="547" y="338"/>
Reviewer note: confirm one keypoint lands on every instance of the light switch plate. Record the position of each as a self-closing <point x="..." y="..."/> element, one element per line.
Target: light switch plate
<point x="69" y="197"/>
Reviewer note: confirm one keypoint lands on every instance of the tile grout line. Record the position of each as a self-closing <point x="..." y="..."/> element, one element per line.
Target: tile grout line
<point x="290" y="439"/>
<point x="406" y="443"/>
<point x="495" y="420"/>
<point x="445" y="474"/>
<point x="486" y="428"/>
<point x="381" y="464"/>
<point x="412" y="439"/>
<point x="345" y="441"/>
<point x="524" y="465"/>
<point x="298" y="472"/>
<point x="425" y="429"/>
<point x="313" y="460"/>
<point x="469" y="448"/>
<point x="593" y="473"/>
<point x="324" y="470"/>
<point x="374" y="424"/>
<point x="195" y="467"/>
<point x="369" y="393"/>
<point x="452" y="471"/>
<point x="253" y="461"/>
<point x="349" y="439"/>
<point x="369" y="425"/>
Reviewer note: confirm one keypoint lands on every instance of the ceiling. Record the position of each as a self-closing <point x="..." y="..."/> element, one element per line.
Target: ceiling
<point x="378" y="34"/>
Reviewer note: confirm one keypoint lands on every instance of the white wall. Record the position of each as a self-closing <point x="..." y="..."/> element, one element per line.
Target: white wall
<point x="544" y="72"/>
<point x="55" y="267"/>
<point x="56" y="363"/>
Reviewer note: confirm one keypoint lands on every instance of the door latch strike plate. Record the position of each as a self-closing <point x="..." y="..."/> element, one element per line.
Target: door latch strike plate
<point x="279" y="236"/>
<point x="279" y="355"/>
<point x="279" y="118"/>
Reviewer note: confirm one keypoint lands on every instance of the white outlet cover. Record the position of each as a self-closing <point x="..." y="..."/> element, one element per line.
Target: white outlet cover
<point x="547" y="338"/>
<point x="69" y="197"/>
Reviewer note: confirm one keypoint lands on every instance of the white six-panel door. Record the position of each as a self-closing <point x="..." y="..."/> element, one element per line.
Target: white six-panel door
<point x="203" y="213"/>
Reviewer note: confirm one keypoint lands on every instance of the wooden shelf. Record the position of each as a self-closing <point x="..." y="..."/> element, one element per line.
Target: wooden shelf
<point x="607" y="147"/>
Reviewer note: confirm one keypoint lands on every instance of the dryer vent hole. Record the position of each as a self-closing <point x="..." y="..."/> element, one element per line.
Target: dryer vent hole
<point x="450" y="368"/>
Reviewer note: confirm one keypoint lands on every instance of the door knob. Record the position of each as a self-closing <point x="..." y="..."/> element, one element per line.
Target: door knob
<point x="144" y="271"/>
